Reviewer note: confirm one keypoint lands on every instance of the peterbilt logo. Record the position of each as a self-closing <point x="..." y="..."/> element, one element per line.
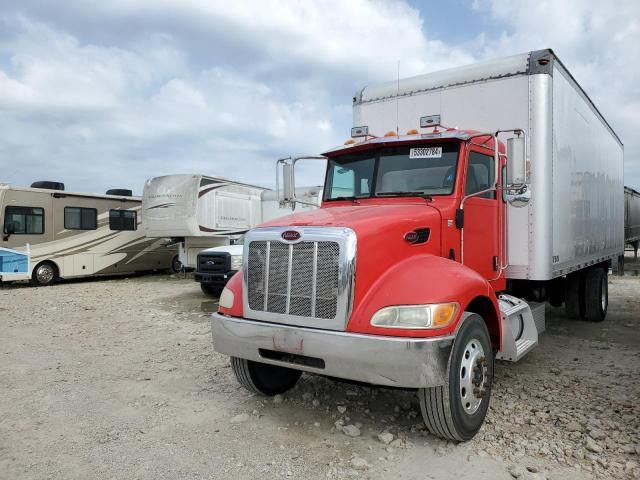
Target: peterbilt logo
<point x="291" y="235"/>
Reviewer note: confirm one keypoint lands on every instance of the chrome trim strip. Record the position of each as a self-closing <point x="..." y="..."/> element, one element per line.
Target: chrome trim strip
<point x="266" y="275"/>
<point x="314" y="283"/>
<point x="289" y="268"/>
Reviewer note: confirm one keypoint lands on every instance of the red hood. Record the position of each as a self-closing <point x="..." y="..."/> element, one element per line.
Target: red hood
<point x="368" y="219"/>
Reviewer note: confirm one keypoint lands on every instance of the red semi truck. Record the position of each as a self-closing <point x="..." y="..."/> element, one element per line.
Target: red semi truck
<point x="434" y="251"/>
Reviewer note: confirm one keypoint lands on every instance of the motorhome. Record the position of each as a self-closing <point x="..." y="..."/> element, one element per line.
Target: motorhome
<point x="65" y="234"/>
<point x="199" y="212"/>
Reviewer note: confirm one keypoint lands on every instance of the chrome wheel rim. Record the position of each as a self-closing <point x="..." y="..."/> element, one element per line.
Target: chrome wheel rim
<point x="473" y="376"/>
<point x="44" y="274"/>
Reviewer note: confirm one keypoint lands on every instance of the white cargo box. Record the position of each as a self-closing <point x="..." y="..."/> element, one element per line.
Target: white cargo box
<point x="574" y="158"/>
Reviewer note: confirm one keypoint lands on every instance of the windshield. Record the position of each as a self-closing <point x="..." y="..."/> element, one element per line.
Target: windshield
<point x="429" y="170"/>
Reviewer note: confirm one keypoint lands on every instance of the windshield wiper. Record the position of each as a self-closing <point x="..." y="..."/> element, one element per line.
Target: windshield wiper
<point x="352" y="198"/>
<point x="403" y="194"/>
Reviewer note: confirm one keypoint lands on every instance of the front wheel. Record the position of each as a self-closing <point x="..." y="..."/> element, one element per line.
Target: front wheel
<point x="44" y="274"/>
<point x="262" y="378"/>
<point x="456" y="411"/>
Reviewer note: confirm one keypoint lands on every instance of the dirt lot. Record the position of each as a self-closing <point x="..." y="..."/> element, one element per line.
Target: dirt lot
<point x="118" y="379"/>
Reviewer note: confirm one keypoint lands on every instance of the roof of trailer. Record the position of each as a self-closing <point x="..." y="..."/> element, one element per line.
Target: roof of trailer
<point x="530" y="63"/>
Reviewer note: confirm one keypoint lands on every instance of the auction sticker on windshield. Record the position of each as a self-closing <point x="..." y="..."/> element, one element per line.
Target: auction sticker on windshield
<point x="426" y="152"/>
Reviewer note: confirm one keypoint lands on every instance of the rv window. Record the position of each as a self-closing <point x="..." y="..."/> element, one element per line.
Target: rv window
<point x="78" y="218"/>
<point x="25" y="220"/>
<point x="122" y="220"/>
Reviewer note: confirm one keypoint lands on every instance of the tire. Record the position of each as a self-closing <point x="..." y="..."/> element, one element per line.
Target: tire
<point x="176" y="264"/>
<point x="574" y="303"/>
<point x="452" y="411"/>
<point x="557" y="293"/>
<point x="262" y="378"/>
<point x="596" y="294"/>
<point x="45" y="274"/>
<point x="210" y="290"/>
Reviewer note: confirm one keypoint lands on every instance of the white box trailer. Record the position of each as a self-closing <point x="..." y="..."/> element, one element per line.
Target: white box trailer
<point x="632" y="218"/>
<point x="574" y="159"/>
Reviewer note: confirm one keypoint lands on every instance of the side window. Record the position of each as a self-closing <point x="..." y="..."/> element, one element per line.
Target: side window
<point x="24" y="220"/>
<point x="342" y="184"/>
<point x="78" y="218"/>
<point x="480" y="175"/>
<point x="123" y="220"/>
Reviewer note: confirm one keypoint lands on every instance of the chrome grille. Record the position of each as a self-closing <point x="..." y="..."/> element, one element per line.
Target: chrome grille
<point x="298" y="279"/>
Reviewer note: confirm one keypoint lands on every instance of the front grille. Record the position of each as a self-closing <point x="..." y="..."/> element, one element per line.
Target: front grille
<point x="219" y="262"/>
<point x="294" y="279"/>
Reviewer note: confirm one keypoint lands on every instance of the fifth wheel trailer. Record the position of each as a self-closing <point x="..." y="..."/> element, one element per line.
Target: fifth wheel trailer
<point x="434" y="249"/>
<point x="199" y="212"/>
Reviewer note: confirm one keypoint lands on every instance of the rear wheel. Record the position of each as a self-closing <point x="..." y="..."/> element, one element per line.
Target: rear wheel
<point x="262" y="378"/>
<point x="210" y="290"/>
<point x="44" y="274"/>
<point x="596" y="294"/>
<point x="574" y="305"/>
<point x="176" y="264"/>
<point x="456" y="410"/>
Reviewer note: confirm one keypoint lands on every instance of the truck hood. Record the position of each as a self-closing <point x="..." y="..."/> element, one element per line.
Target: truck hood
<point x="378" y="227"/>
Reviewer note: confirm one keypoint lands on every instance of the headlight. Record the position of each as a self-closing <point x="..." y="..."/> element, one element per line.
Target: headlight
<point x="226" y="298"/>
<point x="436" y="315"/>
<point x="236" y="262"/>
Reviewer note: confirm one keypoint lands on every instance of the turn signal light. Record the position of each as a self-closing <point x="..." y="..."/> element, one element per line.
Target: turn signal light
<point x="442" y="314"/>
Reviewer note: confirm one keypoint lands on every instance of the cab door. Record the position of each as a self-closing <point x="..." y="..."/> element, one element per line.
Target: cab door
<point x="481" y="232"/>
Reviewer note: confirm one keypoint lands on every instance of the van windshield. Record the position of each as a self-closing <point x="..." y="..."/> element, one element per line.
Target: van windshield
<point x="398" y="171"/>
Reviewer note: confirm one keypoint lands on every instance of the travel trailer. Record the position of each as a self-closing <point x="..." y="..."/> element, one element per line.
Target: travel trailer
<point x="464" y="200"/>
<point x="59" y="234"/>
<point x="199" y="212"/>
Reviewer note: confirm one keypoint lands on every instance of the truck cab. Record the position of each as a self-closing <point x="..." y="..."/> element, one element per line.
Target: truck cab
<point x="394" y="281"/>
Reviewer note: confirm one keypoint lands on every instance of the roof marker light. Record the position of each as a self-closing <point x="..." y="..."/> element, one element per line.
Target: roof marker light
<point x="350" y="141"/>
<point x="391" y="133"/>
<point x="413" y="131"/>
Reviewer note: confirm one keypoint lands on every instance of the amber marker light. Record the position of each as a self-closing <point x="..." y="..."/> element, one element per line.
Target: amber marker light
<point x="442" y="314"/>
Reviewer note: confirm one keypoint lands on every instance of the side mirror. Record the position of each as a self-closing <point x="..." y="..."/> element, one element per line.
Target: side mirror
<point x="516" y="161"/>
<point x="288" y="182"/>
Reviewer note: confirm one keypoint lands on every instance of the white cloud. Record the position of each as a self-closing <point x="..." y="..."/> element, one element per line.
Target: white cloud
<point x="597" y="41"/>
<point x="110" y="93"/>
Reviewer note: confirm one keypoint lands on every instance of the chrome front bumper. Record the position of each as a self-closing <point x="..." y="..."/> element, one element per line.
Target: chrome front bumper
<point x="374" y="359"/>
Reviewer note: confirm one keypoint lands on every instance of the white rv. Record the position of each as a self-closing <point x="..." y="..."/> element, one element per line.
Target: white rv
<point x="199" y="212"/>
<point x="49" y="233"/>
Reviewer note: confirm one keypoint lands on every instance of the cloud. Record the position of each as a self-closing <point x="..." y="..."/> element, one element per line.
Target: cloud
<point x="596" y="42"/>
<point x="107" y="94"/>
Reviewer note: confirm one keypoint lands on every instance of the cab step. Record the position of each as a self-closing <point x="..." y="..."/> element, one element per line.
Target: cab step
<point x="521" y="324"/>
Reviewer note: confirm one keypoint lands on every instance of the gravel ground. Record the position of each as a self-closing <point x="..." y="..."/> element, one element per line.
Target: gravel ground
<point x="118" y="379"/>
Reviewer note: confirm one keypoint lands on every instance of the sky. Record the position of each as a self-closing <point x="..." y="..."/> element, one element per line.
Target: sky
<point x="104" y="95"/>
